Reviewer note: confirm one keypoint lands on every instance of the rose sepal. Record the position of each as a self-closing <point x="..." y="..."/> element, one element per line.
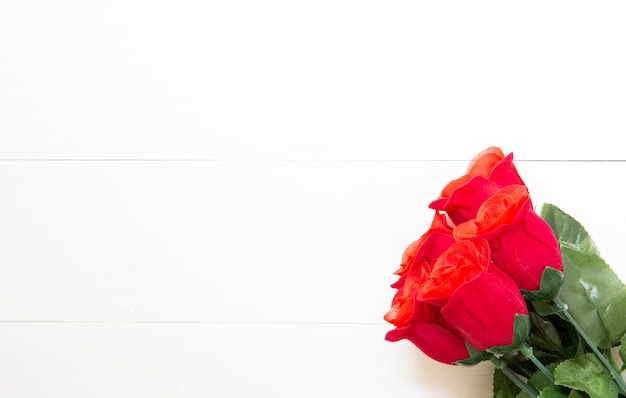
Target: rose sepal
<point x="551" y="282"/>
<point x="521" y="331"/>
<point x="475" y="356"/>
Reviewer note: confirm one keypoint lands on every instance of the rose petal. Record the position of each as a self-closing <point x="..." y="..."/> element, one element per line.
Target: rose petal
<point x="434" y="340"/>
<point x="483" y="310"/>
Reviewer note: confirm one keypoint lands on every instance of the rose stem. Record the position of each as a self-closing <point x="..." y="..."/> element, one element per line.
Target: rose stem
<point x="513" y="377"/>
<point x="562" y="307"/>
<point x="527" y="351"/>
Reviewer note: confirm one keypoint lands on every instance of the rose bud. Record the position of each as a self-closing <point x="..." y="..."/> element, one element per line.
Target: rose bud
<point x="461" y="297"/>
<point x="522" y="243"/>
<point x="490" y="164"/>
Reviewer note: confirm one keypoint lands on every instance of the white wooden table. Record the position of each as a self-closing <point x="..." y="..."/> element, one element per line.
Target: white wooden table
<point x="209" y="198"/>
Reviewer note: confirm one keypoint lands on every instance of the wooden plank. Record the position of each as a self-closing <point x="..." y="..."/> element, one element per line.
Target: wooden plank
<point x="240" y="241"/>
<point x="333" y="79"/>
<point x="222" y="360"/>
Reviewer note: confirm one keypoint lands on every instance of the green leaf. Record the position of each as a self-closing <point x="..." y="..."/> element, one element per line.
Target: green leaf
<point x="554" y="392"/>
<point x="517" y="362"/>
<point x="475" y="356"/>
<point x="577" y="394"/>
<point x="586" y="373"/>
<point x="567" y="229"/>
<point x="521" y="330"/>
<point x="503" y="387"/>
<point x="573" y="343"/>
<point x="544" y="335"/>
<point x="595" y="296"/>
<point x="622" y="349"/>
<point x="544" y="314"/>
<point x="544" y="308"/>
<point x="551" y="281"/>
<point x="539" y="381"/>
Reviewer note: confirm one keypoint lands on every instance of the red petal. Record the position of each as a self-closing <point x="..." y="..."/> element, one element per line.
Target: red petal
<point x="434" y="340"/>
<point x="483" y="310"/>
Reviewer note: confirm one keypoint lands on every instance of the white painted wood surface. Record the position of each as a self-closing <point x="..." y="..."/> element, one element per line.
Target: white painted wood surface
<point x="208" y="199"/>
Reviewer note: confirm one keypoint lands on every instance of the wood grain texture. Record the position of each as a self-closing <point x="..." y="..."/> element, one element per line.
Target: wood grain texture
<point x="166" y="279"/>
<point x="239" y="242"/>
<point x="280" y="79"/>
<point x="209" y="198"/>
<point x="226" y="360"/>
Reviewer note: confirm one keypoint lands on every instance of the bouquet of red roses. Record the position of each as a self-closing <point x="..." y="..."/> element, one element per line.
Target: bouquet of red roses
<point x="493" y="280"/>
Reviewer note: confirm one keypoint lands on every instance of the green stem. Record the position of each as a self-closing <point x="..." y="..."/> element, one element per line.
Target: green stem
<point x="562" y="307"/>
<point x="528" y="390"/>
<point x="527" y="351"/>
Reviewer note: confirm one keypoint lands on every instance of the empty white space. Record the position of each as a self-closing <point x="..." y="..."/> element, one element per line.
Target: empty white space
<point x="209" y="198"/>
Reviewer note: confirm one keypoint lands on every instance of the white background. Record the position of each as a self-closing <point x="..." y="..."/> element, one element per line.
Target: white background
<point x="209" y="198"/>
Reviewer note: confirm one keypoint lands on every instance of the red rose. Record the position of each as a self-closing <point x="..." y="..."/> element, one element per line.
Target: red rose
<point x="522" y="243"/>
<point x="439" y="225"/>
<point x="456" y="297"/>
<point x="491" y="202"/>
<point x="490" y="164"/>
<point x="464" y="201"/>
<point x="416" y="320"/>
